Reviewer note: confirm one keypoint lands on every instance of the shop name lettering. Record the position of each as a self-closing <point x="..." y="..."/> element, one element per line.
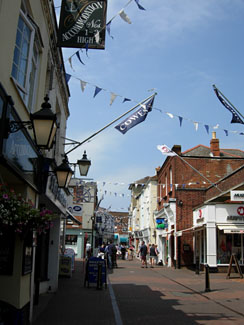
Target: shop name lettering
<point x="239" y="195"/>
<point x="235" y="218"/>
<point x="200" y="220"/>
<point x="83" y="21"/>
<point x="20" y="150"/>
<point x="133" y="117"/>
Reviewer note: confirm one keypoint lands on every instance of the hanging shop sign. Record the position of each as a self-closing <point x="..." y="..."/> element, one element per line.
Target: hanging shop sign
<point x="82" y="24"/>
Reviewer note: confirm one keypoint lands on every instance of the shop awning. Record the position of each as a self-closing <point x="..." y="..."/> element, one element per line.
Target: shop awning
<point x="232" y="229"/>
<point x="70" y="216"/>
<point x="123" y="239"/>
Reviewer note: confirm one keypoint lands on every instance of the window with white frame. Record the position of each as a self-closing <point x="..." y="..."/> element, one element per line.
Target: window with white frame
<point x="26" y="59"/>
<point x="170" y="179"/>
<point x="166" y="185"/>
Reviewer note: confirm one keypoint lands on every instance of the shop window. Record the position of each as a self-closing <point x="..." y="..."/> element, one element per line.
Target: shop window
<point x="71" y="240"/>
<point x="229" y="244"/>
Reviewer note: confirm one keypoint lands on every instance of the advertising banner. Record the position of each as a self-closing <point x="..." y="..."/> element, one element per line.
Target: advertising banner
<point x="82" y="24"/>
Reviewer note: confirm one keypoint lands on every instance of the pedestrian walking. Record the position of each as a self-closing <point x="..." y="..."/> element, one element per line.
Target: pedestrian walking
<point x="88" y="250"/>
<point x="131" y="250"/>
<point x="143" y="253"/>
<point x="123" y="251"/>
<point x="152" y="255"/>
<point x="111" y="253"/>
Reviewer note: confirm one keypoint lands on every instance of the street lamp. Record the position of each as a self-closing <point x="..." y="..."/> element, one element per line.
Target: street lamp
<point x="43" y="124"/>
<point x="84" y="164"/>
<point x="63" y="173"/>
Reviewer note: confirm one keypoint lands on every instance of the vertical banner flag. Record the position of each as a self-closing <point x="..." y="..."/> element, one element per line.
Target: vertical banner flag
<point x="80" y="23"/>
<point x="235" y="117"/>
<point x="165" y="150"/>
<point x="136" y="118"/>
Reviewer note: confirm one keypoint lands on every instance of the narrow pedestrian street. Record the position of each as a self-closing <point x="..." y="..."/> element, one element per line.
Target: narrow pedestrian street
<point x="136" y="295"/>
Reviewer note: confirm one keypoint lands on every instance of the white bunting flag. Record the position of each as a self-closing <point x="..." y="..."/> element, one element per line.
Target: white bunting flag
<point x="170" y="115"/>
<point x="124" y="16"/>
<point x="97" y="37"/>
<point x="112" y="98"/>
<point x="83" y="85"/>
<point x="70" y="62"/>
<point x="165" y="150"/>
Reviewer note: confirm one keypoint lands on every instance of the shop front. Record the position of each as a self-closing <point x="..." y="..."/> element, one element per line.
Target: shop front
<point x="218" y="234"/>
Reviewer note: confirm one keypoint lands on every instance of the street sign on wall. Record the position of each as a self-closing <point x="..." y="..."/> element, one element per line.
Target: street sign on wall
<point x="80" y="21"/>
<point x="237" y="195"/>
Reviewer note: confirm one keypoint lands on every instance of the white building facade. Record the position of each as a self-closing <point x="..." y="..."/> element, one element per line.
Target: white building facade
<point x="219" y="230"/>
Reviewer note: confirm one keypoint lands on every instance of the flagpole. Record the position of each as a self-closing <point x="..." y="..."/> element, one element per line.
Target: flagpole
<point x="214" y="87"/>
<point x="106" y="126"/>
<point x="198" y="172"/>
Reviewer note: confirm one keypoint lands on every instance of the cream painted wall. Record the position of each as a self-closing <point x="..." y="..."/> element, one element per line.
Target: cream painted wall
<point x="15" y="289"/>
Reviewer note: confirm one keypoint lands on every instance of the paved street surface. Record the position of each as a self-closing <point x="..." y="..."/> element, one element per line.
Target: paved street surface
<point x="136" y="295"/>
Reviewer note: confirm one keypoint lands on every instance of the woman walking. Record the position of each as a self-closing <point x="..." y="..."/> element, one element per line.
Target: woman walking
<point x="152" y="255"/>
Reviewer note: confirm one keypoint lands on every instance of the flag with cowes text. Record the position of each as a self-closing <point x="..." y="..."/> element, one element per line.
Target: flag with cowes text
<point x="135" y="118"/>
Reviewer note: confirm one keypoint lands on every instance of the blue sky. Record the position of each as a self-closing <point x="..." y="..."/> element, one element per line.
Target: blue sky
<point x="180" y="48"/>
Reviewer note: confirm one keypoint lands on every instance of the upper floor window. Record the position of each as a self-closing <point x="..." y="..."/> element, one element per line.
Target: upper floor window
<point x="26" y="59"/>
<point x="166" y="185"/>
<point x="171" y="179"/>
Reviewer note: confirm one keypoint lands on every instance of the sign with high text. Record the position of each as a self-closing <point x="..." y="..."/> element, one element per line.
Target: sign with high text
<point x="82" y="24"/>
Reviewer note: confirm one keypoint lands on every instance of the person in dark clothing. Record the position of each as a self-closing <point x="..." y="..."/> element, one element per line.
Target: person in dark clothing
<point x="152" y="255"/>
<point x="143" y="252"/>
<point x="123" y="251"/>
<point x="112" y="250"/>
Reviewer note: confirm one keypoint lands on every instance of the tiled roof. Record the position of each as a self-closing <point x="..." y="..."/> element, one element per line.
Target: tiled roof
<point x="204" y="151"/>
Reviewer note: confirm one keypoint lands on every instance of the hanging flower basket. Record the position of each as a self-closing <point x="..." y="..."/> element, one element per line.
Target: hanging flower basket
<point x="20" y="215"/>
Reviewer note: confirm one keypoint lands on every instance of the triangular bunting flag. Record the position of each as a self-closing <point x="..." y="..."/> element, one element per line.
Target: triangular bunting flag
<point x="180" y="119"/>
<point x="226" y="133"/>
<point x="108" y="28"/>
<point x="196" y="125"/>
<point x="97" y="90"/>
<point x="87" y="49"/>
<point x="97" y="37"/>
<point x="139" y="6"/>
<point x="207" y="128"/>
<point x="83" y="85"/>
<point x="124" y="16"/>
<point x="113" y="96"/>
<point x="126" y="100"/>
<point x="78" y="56"/>
<point x="170" y="115"/>
<point x="70" y="62"/>
<point x="67" y="77"/>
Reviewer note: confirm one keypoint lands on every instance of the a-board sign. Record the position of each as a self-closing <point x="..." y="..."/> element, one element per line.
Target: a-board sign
<point x="65" y="266"/>
<point x="92" y="269"/>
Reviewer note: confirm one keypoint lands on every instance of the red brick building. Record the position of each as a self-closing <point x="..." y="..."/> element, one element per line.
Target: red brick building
<point x="185" y="181"/>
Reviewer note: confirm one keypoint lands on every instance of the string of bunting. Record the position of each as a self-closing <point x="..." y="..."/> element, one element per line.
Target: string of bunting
<point x="113" y="96"/>
<point x="122" y="15"/>
<point x="123" y="195"/>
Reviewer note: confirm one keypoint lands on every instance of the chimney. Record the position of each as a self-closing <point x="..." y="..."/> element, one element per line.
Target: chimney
<point x="214" y="145"/>
<point x="177" y="149"/>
